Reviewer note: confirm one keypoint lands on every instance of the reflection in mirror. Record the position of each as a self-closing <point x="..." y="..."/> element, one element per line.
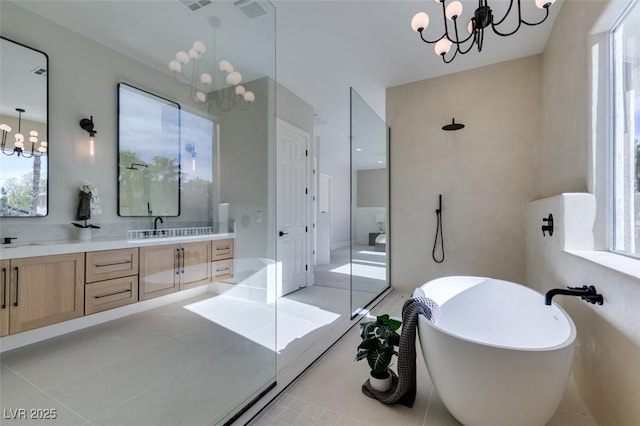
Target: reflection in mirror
<point x="148" y="154"/>
<point x="369" y="204"/>
<point x="24" y="130"/>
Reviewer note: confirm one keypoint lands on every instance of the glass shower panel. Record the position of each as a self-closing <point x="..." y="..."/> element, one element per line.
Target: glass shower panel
<point x="370" y="235"/>
<point x="203" y="348"/>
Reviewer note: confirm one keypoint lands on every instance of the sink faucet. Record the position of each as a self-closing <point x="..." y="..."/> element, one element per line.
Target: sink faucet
<point x="155" y="224"/>
<point x="586" y="293"/>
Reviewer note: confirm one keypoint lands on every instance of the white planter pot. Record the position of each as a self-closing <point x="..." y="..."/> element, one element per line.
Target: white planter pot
<point x="84" y="234"/>
<point x="381" y="385"/>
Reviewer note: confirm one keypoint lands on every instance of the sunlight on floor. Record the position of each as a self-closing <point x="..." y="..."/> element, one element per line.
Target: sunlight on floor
<point x="256" y="321"/>
<point x="364" y="271"/>
<point x="374" y="253"/>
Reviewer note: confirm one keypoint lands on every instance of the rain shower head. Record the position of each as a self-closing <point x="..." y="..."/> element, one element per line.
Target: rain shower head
<point x="453" y="125"/>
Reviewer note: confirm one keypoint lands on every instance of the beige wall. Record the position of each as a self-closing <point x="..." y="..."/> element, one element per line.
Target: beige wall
<point x="485" y="172"/>
<point x="372" y="188"/>
<point x="606" y="368"/>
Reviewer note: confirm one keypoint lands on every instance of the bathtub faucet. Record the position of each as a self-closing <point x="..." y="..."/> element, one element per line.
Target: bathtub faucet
<point x="586" y="293"/>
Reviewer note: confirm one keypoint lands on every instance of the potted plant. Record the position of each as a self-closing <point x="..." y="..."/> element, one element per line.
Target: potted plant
<point x="379" y="342"/>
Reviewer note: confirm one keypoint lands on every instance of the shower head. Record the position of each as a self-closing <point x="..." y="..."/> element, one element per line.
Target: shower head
<point x="453" y="125"/>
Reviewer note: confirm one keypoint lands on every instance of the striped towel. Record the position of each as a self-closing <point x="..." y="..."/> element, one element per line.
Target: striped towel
<point x="403" y="385"/>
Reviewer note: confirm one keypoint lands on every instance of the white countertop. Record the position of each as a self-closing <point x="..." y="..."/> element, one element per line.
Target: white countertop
<point x="47" y="248"/>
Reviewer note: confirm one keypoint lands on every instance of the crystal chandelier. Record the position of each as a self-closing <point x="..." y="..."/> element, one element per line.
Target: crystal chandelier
<point x="482" y="18"/>
<point x="187" y="69"/>
<point x="18" y="145"/>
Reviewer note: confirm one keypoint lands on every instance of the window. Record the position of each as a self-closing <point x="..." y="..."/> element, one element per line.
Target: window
<point x="626" y="133"/>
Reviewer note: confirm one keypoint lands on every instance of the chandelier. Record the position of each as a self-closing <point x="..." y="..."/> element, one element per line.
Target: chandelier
<point x="18" y="145"/>
<point x="187" y="69"/>
<point x="482" y="18"/>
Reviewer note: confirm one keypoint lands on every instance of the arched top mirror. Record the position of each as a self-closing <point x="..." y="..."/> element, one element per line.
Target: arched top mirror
<point x="24" y="129"/>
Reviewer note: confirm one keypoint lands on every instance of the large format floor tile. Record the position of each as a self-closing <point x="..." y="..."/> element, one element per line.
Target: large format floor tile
<point x="329" y="393"/>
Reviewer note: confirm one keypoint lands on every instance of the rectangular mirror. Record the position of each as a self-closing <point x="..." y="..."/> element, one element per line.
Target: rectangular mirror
<point x="24" y="130"/>
<point x="148" y="154"/>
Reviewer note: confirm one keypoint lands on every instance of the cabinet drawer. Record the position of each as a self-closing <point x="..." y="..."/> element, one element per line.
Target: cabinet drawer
<point x="222" y="269"/>
<point x="108" y="264"/>
<point x="222" y="249"/>
<point x="110" y="294"/>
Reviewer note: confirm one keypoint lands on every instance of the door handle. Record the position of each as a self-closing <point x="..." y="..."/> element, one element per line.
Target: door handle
<point x="17" y="285"/>
<point x="281" y="234"/>
<point x="4" y="288"/>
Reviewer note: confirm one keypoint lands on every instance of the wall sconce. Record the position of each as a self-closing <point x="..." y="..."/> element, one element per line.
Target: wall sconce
<point x="18" y="146"/>
<point x="191" y="149"/>
<point x="87" y="124"/>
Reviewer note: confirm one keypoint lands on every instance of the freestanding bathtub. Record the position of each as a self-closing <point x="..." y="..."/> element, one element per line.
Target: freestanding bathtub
<point x="497" y="355"/>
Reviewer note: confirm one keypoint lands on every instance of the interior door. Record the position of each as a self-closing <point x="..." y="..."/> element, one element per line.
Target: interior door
<point x="292" y="199"/>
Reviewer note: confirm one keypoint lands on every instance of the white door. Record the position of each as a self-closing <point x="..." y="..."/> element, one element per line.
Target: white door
<point x="292" y="198"/>
<point x="323" y="242"/>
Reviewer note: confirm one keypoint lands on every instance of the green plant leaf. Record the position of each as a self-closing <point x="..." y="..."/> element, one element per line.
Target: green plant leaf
<point x="379" y="359"/>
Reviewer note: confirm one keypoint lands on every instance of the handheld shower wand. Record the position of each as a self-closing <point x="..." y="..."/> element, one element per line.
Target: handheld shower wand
<point x="438" y="231"/>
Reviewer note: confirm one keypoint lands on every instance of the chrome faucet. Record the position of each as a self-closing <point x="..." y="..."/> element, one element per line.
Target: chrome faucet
<point x="155" y="224"/>
<point x="586" y="293"/>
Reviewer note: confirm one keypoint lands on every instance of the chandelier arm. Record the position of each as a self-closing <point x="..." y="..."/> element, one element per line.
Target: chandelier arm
<point x="506" y="14"/>
<point x="533" y="24"/>
<point x="458" y="42"/>
<point x="434" y="41"/>
<point x="495" y="30"/>
<point x="455" y="53"/>
<point x="27" y="156"/>
<point x="8" y="155"/>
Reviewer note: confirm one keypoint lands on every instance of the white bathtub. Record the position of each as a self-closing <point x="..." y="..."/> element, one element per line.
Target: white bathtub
<point x="497" y="354"/>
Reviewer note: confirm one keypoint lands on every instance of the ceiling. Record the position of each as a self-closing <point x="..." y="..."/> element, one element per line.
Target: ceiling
<point x="322" y="47"/>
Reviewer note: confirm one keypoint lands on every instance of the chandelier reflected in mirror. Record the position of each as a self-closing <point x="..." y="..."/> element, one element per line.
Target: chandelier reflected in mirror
<point x="482" y="18"/>
<point x="19" y="141"/>
<point x="188" y="69"/>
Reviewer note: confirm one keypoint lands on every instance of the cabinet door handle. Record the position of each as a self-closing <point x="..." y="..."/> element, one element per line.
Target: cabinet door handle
<point x="222" y="248"/>
<point x="176" y="261"/>
<point x="182" y="269"/>
<point x="102" y="265"/>
<point x="111" y="294"/>
<point x="4" y="288"/>
<point x="17" y="285"/>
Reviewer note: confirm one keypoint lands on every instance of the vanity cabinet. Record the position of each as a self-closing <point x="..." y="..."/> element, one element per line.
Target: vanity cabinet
<point x="222" y="259"/>
<point x="168" y="268"/>
<point x="39" y="291"/>
<point x="4" y="297"/>
<point x="111" y="279"/>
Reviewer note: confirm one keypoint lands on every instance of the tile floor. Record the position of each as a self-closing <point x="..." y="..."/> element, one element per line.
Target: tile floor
<point x="329" y="393"/>
<point x="182" y="364"/>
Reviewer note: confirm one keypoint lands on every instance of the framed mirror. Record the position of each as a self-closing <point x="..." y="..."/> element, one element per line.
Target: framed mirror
<point x="24" y="129"/>
<point x="148" y="154"/>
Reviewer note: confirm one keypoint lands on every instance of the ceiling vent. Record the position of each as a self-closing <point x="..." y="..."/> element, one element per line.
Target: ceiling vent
<point x="251" y="8"/>
<point x="195" y="5"/>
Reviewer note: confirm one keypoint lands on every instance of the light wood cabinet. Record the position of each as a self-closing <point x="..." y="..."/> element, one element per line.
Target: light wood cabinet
<point x="44" y="290"/>
<point x="109" y="294"/>
<point x="221" y="249"/>
<point x="111" y="279"/>
<point x="108" y="264"/>
<point x="4" y="297"/>
<point x="196" y="266"/>
<point x="222" y="259"/>
<point x="169" y="268"/>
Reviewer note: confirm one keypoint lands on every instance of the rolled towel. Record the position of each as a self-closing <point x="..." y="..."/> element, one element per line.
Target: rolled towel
<point x="403" y="386"/>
